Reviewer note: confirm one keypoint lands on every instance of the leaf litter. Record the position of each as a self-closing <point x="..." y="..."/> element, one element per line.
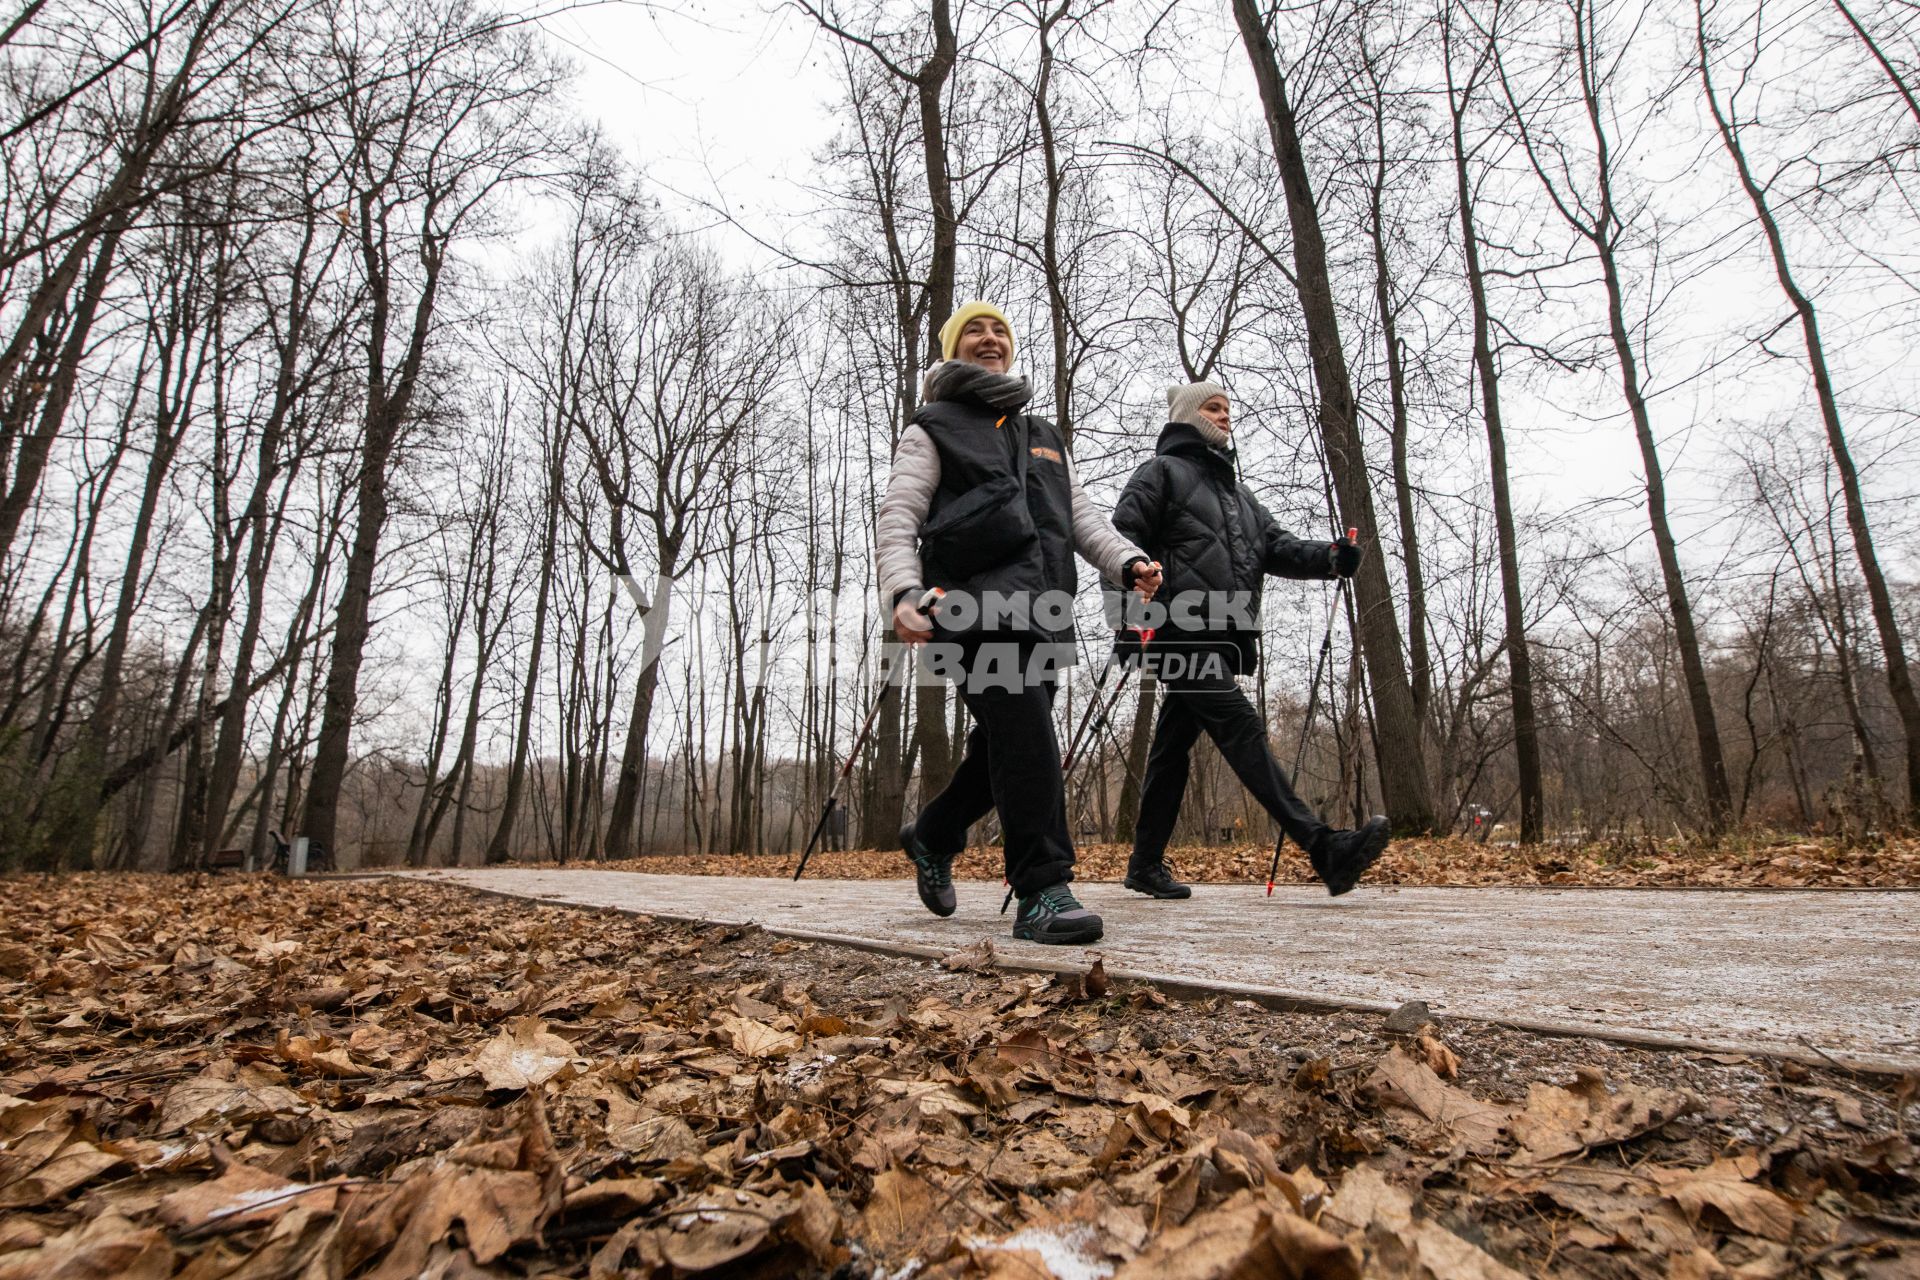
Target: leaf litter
<point x="1743" y="862"/>
<point x="251" y="1078"/>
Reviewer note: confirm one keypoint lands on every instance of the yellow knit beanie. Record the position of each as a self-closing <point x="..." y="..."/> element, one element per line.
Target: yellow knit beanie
<point x="950" y="331"/>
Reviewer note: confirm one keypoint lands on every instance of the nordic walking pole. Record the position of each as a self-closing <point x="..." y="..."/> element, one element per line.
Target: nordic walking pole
<point x="1082" y="739"/>
<point x="1313" y="702"/>
<point x="1086" y="718"/>
<point x="926" y="602"/>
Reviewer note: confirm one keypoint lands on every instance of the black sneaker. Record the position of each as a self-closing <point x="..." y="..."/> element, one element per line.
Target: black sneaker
<point x="1054" y="915"/>
<point x="1156" y="881"/>
<point x="1340" y="858"/>
<point x="932" y="875"/>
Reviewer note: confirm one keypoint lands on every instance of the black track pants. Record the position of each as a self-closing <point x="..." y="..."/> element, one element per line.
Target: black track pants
<point x="1012" y="764"/>
<point x="1215" y="704"/>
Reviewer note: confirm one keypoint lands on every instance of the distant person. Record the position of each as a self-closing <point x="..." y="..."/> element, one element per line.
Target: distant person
<point x="983" y="504"/>
<point x="1215" y="543"/>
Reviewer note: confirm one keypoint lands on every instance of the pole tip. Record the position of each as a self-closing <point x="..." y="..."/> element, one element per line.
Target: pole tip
<point x="1269" y="888"/>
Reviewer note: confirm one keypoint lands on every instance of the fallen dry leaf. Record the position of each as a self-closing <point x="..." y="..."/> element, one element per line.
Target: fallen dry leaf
<point x="239" y="1198"/>
<point x="1434" y="1053"/>
<point x="210" y="1101"/>
<point x="104" y="1248"/>
<point x="931" y="1097"/>
<point x="523" y="1056"/>
<point x="902" y="1218"/>
<point x="1726" y="1185"/>
<point x="1476" y="1125"/>
<point x="45" y="1153"/>
<point x="977" y="958"/>
<point x="1410" y="1246"/>
<point x="1095" y="983"/>
<point x="1249" y="1237"/>
<point x="1557" y="1121"/>
<point x="1622" y="1206"/>
<point x="322" y="1057"/>
<point x="757" y="1039"/>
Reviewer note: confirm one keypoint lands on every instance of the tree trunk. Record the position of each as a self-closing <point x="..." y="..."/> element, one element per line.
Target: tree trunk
<point x="500" y="846"/>
<point x="1421" y="663"/>
<point x="1601" y="230"/>
<point x="388" y="405"/>
<point x="886" y="789"/>
<point x="1403" y="775"/>
<point x="1526" y="736"/>
<point x="1713" y="768"/>
<point x="353" y="623"/>
<point x="930" y="739"/>
<point x="622" y="819"/>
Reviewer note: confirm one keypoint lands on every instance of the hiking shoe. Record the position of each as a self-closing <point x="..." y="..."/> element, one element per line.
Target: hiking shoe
<point x="1340" y="858"/>
<point x="932" y="875"/>
<point x="1156" y="881"/>
<point x="1054" y="915"/>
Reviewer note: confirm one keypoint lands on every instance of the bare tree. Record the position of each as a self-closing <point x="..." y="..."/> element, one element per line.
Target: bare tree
<point x="1403" y="776"/>
<point x="1526" y="737"/>
<point x="1594" y="215"/>
<point x="426" y="153"/>
<point x="1726" y="113"/>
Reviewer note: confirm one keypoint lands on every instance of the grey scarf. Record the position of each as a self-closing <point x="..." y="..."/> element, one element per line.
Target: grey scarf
<point x="950" y="379"/>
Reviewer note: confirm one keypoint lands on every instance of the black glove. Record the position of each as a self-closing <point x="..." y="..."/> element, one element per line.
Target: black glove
<point x="1345" y="555"/>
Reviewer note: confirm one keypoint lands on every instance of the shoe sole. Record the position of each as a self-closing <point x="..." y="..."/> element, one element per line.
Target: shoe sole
<point x="1166" y="896"/>
<point x="1370" y="853"/>
<point x="1076" y="939"/>
<point x="934" y="905"/>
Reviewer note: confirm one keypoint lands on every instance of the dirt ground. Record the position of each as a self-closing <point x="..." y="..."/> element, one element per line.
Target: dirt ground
<point x="247" y="1078"/>
<point x="1738" y="862"/>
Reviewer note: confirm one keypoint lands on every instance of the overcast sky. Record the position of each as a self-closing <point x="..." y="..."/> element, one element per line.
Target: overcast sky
<point x="731" y="102"/>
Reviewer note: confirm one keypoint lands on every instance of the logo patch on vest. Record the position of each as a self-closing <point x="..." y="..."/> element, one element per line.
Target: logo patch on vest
<point x="1041" y="451"/>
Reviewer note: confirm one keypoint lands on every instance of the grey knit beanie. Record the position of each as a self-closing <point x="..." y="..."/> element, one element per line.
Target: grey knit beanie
<point x="1183" y="405"/>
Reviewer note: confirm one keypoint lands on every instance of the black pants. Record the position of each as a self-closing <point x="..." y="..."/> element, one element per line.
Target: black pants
<point x="1012" y="765"/>
<point x="1212" y="702"/>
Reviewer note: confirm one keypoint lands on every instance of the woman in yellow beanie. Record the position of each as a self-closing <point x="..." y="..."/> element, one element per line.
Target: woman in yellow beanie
<point x="984" y="505"/>
<point x="965" y="315"/>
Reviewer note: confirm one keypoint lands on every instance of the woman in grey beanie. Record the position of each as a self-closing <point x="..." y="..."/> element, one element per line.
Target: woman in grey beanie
<point x="1186" y="508"/>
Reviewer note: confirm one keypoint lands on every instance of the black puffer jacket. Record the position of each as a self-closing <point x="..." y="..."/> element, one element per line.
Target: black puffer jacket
<point x="1186" y="507"/>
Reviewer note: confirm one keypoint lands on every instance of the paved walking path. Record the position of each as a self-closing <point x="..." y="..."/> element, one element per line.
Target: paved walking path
<point x="1794" y="973"/>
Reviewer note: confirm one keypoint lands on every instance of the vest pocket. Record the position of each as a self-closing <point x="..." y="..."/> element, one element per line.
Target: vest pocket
<point x="981" y="528"/>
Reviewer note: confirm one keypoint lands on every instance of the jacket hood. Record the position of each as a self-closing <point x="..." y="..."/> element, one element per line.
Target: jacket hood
<point x="1182" y="437"/>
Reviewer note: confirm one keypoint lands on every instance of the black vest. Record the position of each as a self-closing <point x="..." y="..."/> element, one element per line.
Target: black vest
<point x="977" y="444"/>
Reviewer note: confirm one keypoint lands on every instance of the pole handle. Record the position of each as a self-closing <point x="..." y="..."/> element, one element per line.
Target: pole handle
<point x="1353" y="534"/>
